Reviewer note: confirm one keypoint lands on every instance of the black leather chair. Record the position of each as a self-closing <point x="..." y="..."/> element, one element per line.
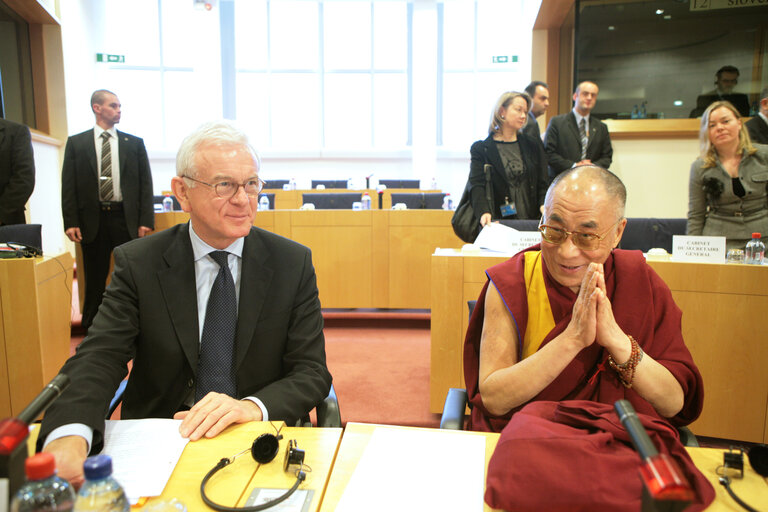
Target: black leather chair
<point x="23" y="234"/>
<point x="647" y="233"/>
<point x="420" y="200"/>
<point x="332" y="201"/>
<point x="275" y="184"/>
<point x="400" y="183"/>
<point x="521" y="224"/>
<point x="456" y="403"/>
<point x="330" y="183"/>
<point x="328" y="412"/>
<point x="159" y="200"/>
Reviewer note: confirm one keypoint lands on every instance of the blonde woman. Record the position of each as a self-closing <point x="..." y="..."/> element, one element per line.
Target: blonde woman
<point x="727" y="193"/>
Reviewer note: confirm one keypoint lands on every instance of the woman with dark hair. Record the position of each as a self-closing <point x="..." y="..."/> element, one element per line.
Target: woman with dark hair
<point x="727" y="193"/>
<point x="516" y="163"/>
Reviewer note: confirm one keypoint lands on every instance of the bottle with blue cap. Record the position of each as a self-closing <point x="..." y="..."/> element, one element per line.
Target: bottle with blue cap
<point x="100" y="492"/>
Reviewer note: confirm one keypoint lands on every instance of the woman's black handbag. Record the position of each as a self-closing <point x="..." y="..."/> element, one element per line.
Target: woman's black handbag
<point x="465" y="223"/>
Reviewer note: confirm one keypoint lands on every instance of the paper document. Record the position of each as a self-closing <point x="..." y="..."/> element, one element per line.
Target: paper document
<point x="501" y="238"/>
<point x="144" y="453"/>
<point x="404" y="469"/>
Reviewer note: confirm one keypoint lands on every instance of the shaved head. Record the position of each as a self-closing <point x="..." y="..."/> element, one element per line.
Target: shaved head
<point x="584" y="178"/>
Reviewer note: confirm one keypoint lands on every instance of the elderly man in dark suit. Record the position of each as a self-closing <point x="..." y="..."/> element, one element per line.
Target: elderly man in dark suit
<point x="758" y="125"/>
<point x="578" y="138"/>
<point x="222" y="319"/>
<point x="106" y="194"/>
<point x="17" y="171"/>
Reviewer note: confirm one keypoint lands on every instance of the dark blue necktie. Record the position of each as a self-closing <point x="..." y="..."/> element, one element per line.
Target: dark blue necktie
<point x="216" y="364"/>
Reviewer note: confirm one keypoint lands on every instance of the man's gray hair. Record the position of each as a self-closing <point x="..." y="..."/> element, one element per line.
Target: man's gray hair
<point x="611" y="183"/>
<point x="216" y="133"/>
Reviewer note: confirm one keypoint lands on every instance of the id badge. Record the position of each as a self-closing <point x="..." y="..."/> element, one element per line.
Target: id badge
<point x="508" y="209"/>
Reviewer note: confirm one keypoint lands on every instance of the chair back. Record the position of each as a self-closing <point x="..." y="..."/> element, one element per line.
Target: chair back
<point x="24" y="234"/>
<point x="275" y="184"/>
<point x="330" y="183"/>
<point x="521" y="224"/>
<point x="420" y="201"/>
<point x="331" y="201"/>
<point x="647" y="233"/>
<point x="400" y="183"/>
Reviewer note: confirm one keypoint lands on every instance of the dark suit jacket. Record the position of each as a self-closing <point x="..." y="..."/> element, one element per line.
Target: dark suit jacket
<point x="485" y="152"/>
<point x="563" y="143"/>
<point x="17" y="171"/>
<point x="758" y="130"/>
<point x="80" y="185"/>
<point x="531" y="127"/>
<point x="149" y="314"/>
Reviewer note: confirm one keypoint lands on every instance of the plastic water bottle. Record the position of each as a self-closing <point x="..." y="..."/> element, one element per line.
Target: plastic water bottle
<point x="44" y="491"/>
<point x="292" y="183"/>
<point x="755" y="250"/>
<point x="350" y="184"/>
<point x="433" y="184"/>
<point x="447" y="202"/>
<point x="263" y="203"/>
<point x="100" y="492"/>
<point x="366" y="201"/>
<point x="167" y="203"/>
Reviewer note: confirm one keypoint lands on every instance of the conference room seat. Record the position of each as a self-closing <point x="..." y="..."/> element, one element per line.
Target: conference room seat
<point x="420" y="200"/>
<point x="330" y="183"/>
<point x="159" y="200"/>
<point x="275" y="184"/>
<point x="331" y="201"/>
<point x="328" y="412"/>
<point x="23" y="234"/>
<point x="400" y="183"/>
<point x="456" y="404"/>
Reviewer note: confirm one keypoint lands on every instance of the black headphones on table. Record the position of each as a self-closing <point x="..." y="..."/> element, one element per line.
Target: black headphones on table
<point x="263" y="450"/>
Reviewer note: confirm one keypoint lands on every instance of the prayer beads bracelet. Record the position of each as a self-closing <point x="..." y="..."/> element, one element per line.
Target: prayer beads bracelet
<point x="626" y="370"/>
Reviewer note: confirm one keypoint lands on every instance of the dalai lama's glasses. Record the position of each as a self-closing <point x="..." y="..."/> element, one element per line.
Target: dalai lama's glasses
<point x="584" y="241"/>
<point x="227" y="189"/>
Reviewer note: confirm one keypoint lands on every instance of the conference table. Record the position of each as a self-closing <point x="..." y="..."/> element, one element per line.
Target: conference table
<point x="333" y="455"/>
<point x="723" y="311"/>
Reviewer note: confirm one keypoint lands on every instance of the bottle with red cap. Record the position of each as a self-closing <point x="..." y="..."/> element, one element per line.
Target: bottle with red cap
<point x="755" y="250"/>
<point x="44" y="491"/>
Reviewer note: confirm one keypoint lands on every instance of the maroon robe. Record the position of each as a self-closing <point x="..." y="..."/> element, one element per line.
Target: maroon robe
<point x="642" y="306"/>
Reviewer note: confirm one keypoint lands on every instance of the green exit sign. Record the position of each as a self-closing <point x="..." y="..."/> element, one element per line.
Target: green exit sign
<point x="106" y="57"/>
<point x="503" y="59"/>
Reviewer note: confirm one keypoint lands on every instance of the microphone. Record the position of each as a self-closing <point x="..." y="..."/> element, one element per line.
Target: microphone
<point x="46" y="397"/>
<point x="14" y="433"/>
<point x="664" y="485"/>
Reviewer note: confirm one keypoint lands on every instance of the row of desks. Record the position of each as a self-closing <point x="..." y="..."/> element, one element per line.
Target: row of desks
<point x="723" y="327"/>
<point x="293" y="199"/>
<point x="333" y="455"/>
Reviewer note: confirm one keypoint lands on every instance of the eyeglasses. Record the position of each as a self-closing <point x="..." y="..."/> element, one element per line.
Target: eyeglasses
<point x="227" y="189"/>
<point x="584" y="241"/>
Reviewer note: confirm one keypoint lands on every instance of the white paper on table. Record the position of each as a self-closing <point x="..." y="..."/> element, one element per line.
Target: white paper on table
<point x="403" y="469"/>
<point x="498" y="237"/>
<point x="144" y="453"/>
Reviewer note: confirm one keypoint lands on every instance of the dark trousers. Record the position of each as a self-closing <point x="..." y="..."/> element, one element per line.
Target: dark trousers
<point x="96" y="257"/>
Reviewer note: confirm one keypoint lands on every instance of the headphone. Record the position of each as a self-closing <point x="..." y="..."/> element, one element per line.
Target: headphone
<point x="263" y="450"/>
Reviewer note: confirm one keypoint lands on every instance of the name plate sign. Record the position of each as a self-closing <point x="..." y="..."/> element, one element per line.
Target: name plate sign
<point x="524" y="240"/>
<point x="706" y="249"/>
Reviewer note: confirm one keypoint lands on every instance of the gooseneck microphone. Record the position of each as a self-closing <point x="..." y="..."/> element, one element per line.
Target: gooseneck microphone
<point x="663" y="482"/>
<point x="46" y="397"/>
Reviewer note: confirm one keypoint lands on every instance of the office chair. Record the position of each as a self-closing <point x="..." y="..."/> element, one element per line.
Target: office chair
<point x="400" y="183"/>
<point x="456" y="403"/>
<point x="331" y="201"/>
<point x="275" y="184"/>
<point x="645" y="234"/>
<point x="330" y="183"/>
<point x="23" y="234"/>
<point x="420" y="200"/>
<point x="328" y="412"/>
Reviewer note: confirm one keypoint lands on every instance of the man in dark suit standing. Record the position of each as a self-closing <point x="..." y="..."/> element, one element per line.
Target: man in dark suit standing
<point x="758" y="125"/>
<point x="577" y="138"/>
<point x="539" y="93"/>
<point x="17" y="171"/>
<point x="222" y="319"/>
<point x="106" y="194"/>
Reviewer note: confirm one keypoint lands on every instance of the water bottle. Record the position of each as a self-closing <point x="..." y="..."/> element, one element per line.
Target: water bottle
<point x="263" y="203"/>
<point x="167" y="203"/>
<point x="350" y="185"/>
<point x="292" y="184"/>
<point x="433" y="184"/>
<point x="755" y="250"/>
<point x="447" y="202"/>
<point x="100" y="492"/>
<point x="366" y="201"/>
<point x="44" y="491"/>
